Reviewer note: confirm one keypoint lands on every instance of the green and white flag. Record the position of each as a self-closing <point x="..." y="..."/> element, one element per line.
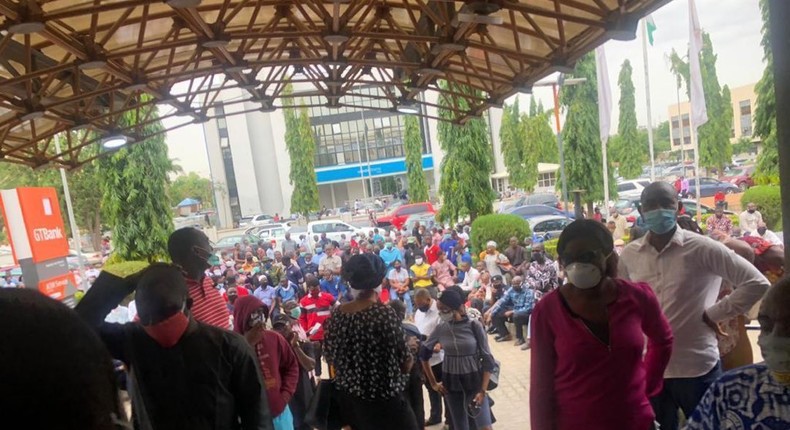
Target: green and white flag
<point x="651" y="27"/>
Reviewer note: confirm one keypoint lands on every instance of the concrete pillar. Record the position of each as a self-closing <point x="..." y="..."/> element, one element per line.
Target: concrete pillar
<point x="780" y="43"/>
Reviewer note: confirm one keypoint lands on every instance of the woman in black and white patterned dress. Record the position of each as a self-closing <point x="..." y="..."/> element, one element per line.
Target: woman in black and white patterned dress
<point x="364" y="342"/>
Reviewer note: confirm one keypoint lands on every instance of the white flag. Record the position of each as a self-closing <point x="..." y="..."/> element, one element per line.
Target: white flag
<point x="604" y="94"/>
<point x="699" y="111"/>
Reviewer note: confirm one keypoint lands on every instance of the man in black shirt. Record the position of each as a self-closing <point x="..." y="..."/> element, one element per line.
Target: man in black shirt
<point x="182" y="374"/>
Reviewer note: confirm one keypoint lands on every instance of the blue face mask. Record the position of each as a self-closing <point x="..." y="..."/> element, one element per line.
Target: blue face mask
<point x="660" y="221"/>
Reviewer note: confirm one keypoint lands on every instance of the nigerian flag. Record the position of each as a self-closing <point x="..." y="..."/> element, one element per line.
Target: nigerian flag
<point x="651" y="27"/>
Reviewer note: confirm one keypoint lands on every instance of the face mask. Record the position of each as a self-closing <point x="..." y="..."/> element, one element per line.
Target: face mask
<point x="751" y="211"/>
<point x="418" y="261"/>
<point x="319" y="251"/>
<point x="761" y="231"/>
<point x="302" y="254"/>
<point x="388" y="246"/>
<point x="397" y="268"/>
<point x="168" y="332"/>
<point x="776" y="352"/>
<point x="583" y="275"/>
<point x="660" y="221"/>
<point x="425" y="308"/>
<point x="296" y="312"/>
<point x="446" y="316"/>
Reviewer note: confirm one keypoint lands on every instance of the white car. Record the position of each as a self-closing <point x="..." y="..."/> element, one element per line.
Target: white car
<point x="334" y="228"/>
<point x="273" y="233"/>
<point x="634" y="187"/>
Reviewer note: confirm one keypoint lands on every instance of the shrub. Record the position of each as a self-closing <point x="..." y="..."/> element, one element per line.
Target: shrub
<point x="768" y="202"/>
<point x="125" y="268"/>
<point x="550" y="246"/>
<point x="499" y="228"/>
<point x="704" y="221"/>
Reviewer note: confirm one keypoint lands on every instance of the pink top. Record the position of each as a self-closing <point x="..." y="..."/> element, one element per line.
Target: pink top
<point x="578" y="382"/>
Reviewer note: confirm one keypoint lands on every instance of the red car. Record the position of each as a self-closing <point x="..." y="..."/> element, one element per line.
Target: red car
<point x="398" y="217"/>
<point x="740" y="177"/>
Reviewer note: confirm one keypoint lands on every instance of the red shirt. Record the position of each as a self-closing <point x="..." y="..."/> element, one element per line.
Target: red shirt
<point x="432" y="253"/>
<point x="316" y="310"/>
<point x="279" y="368"/>
<point x="207" y="305"/>
<point x="578" y="382"/>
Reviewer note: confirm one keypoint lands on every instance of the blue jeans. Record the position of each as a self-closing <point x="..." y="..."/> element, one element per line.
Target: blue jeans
<point x="406" y="299"/>
<point x="683" y="393"/>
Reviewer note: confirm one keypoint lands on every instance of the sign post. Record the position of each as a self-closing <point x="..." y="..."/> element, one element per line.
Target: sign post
<point x="38" y="240"/>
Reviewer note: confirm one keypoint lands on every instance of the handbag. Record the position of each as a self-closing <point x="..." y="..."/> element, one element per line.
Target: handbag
<point x="320" y="412"/>
<point x="493" y="380"/>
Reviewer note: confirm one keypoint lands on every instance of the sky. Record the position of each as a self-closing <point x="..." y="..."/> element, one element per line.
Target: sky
<point x="734" y="27"/>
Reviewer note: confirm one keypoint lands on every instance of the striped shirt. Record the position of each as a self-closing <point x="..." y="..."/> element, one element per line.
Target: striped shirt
<point x="207" y="305"/>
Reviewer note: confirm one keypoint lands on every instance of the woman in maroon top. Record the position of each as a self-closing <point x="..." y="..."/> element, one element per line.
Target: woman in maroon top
<point x="588" y="337"/>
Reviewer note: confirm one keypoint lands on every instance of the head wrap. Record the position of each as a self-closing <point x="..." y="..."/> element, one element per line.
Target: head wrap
<point x="451" y="299"/>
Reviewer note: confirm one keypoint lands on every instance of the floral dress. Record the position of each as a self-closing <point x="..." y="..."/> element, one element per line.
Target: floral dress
<point x="367" y="349"/>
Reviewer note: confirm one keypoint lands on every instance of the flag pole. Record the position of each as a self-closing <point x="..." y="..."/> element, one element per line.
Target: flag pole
<point x="649" y="110"/>
<point x="695" y="145"/>
<point x="604" y="114"/>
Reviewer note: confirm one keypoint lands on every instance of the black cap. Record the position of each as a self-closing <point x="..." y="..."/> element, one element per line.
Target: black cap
<point x="496" y="278"/>
<point x="280" y="319"/>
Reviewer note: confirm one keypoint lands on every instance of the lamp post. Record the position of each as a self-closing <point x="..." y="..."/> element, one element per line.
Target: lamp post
<point x="75" y="231"/>
<point x="555" y="87"/>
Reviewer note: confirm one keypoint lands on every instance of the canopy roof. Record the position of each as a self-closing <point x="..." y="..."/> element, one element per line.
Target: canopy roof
<point x="70" y="65"/>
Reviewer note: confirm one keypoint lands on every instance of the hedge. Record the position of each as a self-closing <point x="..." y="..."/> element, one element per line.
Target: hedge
<point x="125" y="268"/>
<point x="499" y="228"/>
<point x="768" y="202"/>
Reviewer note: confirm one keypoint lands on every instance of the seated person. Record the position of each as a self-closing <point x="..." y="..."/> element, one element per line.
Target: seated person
<point x="516" y="305"/>
<point x="755" y="396"/>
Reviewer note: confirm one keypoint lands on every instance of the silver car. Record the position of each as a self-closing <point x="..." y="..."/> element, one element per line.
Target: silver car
<point x="548" y="226"/>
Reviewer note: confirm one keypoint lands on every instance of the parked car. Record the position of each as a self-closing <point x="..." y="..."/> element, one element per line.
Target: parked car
<point x="740" y="177"/>
<point x="90" y="258"/>
<point x="334" y="228"/>
<point x="398" y="217"/>
<point x="273" y="233"/>
<point x="228" y="242"/>
<point x="530" y="211"/>
<point x="632" y="187"/>
<point x="710" y="186"/>
<point x="548" y="226"/>
<point x="547" y="199"/>
<point x="690" y="206"/>
<point x="427" y="219"/>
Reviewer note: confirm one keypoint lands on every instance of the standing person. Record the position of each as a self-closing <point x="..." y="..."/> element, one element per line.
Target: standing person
<point x="421" y="275"/>
<point x="755" y="396"/>
<point x="365" y="344"/>
<point x="597" y="215"/>
<point x="620" y="223"/>
<point x="305" y="387"/>
<point x="517" y="305"/>
<point x="293" y="275"/>
<point x="390" y="253"/>
<point x="467" y="364"/>
<point x="190" y="249"/>
<point x="588" y="366"/>
<point x="316" y="308"/>
<point x="416" y="232"/>
<point x="443" y="272"/>
<point x="277" y="361"/>
<point x="719" y="222"/>
<point x="515" y="252"/>
<point x="448" y="244"/>
<point x="432" y="252"/>
<point x="409" y="251"/>
<point x="332" y="262"/>
<point x="265" y="292"/>
<point x="719" y="199"/>
<point x="289" y="246"/>
<point x="309" y="268"/>
<point x="398" y="279"/>
<point x="684" y="187"/>
<point x="426" y="318"/>
<point x="494" y="260"/>
<point x="285" y="292"/>
<point x="185" y="374"/>
<point x="686" y="271"/>
<point x="334" y="285"/>
<point x="750" y="219"/>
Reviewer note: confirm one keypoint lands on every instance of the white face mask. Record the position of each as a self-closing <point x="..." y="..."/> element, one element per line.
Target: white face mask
<point x="418" y="261"/>
<point x="583" y="275"/>
<point x="446" y="316"/>
<point x="776" y="352"/>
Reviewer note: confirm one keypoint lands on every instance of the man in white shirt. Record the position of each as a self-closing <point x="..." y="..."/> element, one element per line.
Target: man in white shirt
<point x="427" y="319"/>
<point x="620" y="223"/>
<point x="768" y="235"/>
<point x="471" y="277"/>
<point x="686" y="270"/>
<point x="750" y="218"/>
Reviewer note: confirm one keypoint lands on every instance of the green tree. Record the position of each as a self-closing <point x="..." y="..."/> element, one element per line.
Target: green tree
<point x="191" y="186"/>
<point x="767" y="169"/>
<point x="715" y="150"/>
<point x="542" y="137"/>
<point x="743" y="145"/>
<point x="134" y="185"/>
<point x="413" y="142"/>
<point x="582" y="146"/>
<point x="661" y="138"/>
<point x="465" y="184"/>
<point x="300" y="142"/>
<point x="631" y="155"/>
<point x="511" y="135"/>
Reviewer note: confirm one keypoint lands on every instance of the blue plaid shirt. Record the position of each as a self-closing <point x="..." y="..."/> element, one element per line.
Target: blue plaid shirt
<point x="518" y="301"/>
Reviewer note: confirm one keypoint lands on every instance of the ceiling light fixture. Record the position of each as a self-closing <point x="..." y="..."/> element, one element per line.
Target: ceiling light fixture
<point x="28" y="27"/>
<point x="623" y="28"/>
<point x="410" y="107"/>
<point x="92" y="64"/>
<point x="114" y="141"/>
<point x="219" y="41"/>
<point x="33" y="114"/>
<point x="182" y="4"/>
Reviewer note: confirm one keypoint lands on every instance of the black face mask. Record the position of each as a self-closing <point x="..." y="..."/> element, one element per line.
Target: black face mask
<point x="539" y="257"/>
<point x="751" y="211"/>
<point x="761" y="231"/>
<point x="424" y="308"/>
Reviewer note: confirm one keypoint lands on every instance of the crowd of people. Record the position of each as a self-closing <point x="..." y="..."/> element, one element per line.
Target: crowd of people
<point x="621" y="335"/>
